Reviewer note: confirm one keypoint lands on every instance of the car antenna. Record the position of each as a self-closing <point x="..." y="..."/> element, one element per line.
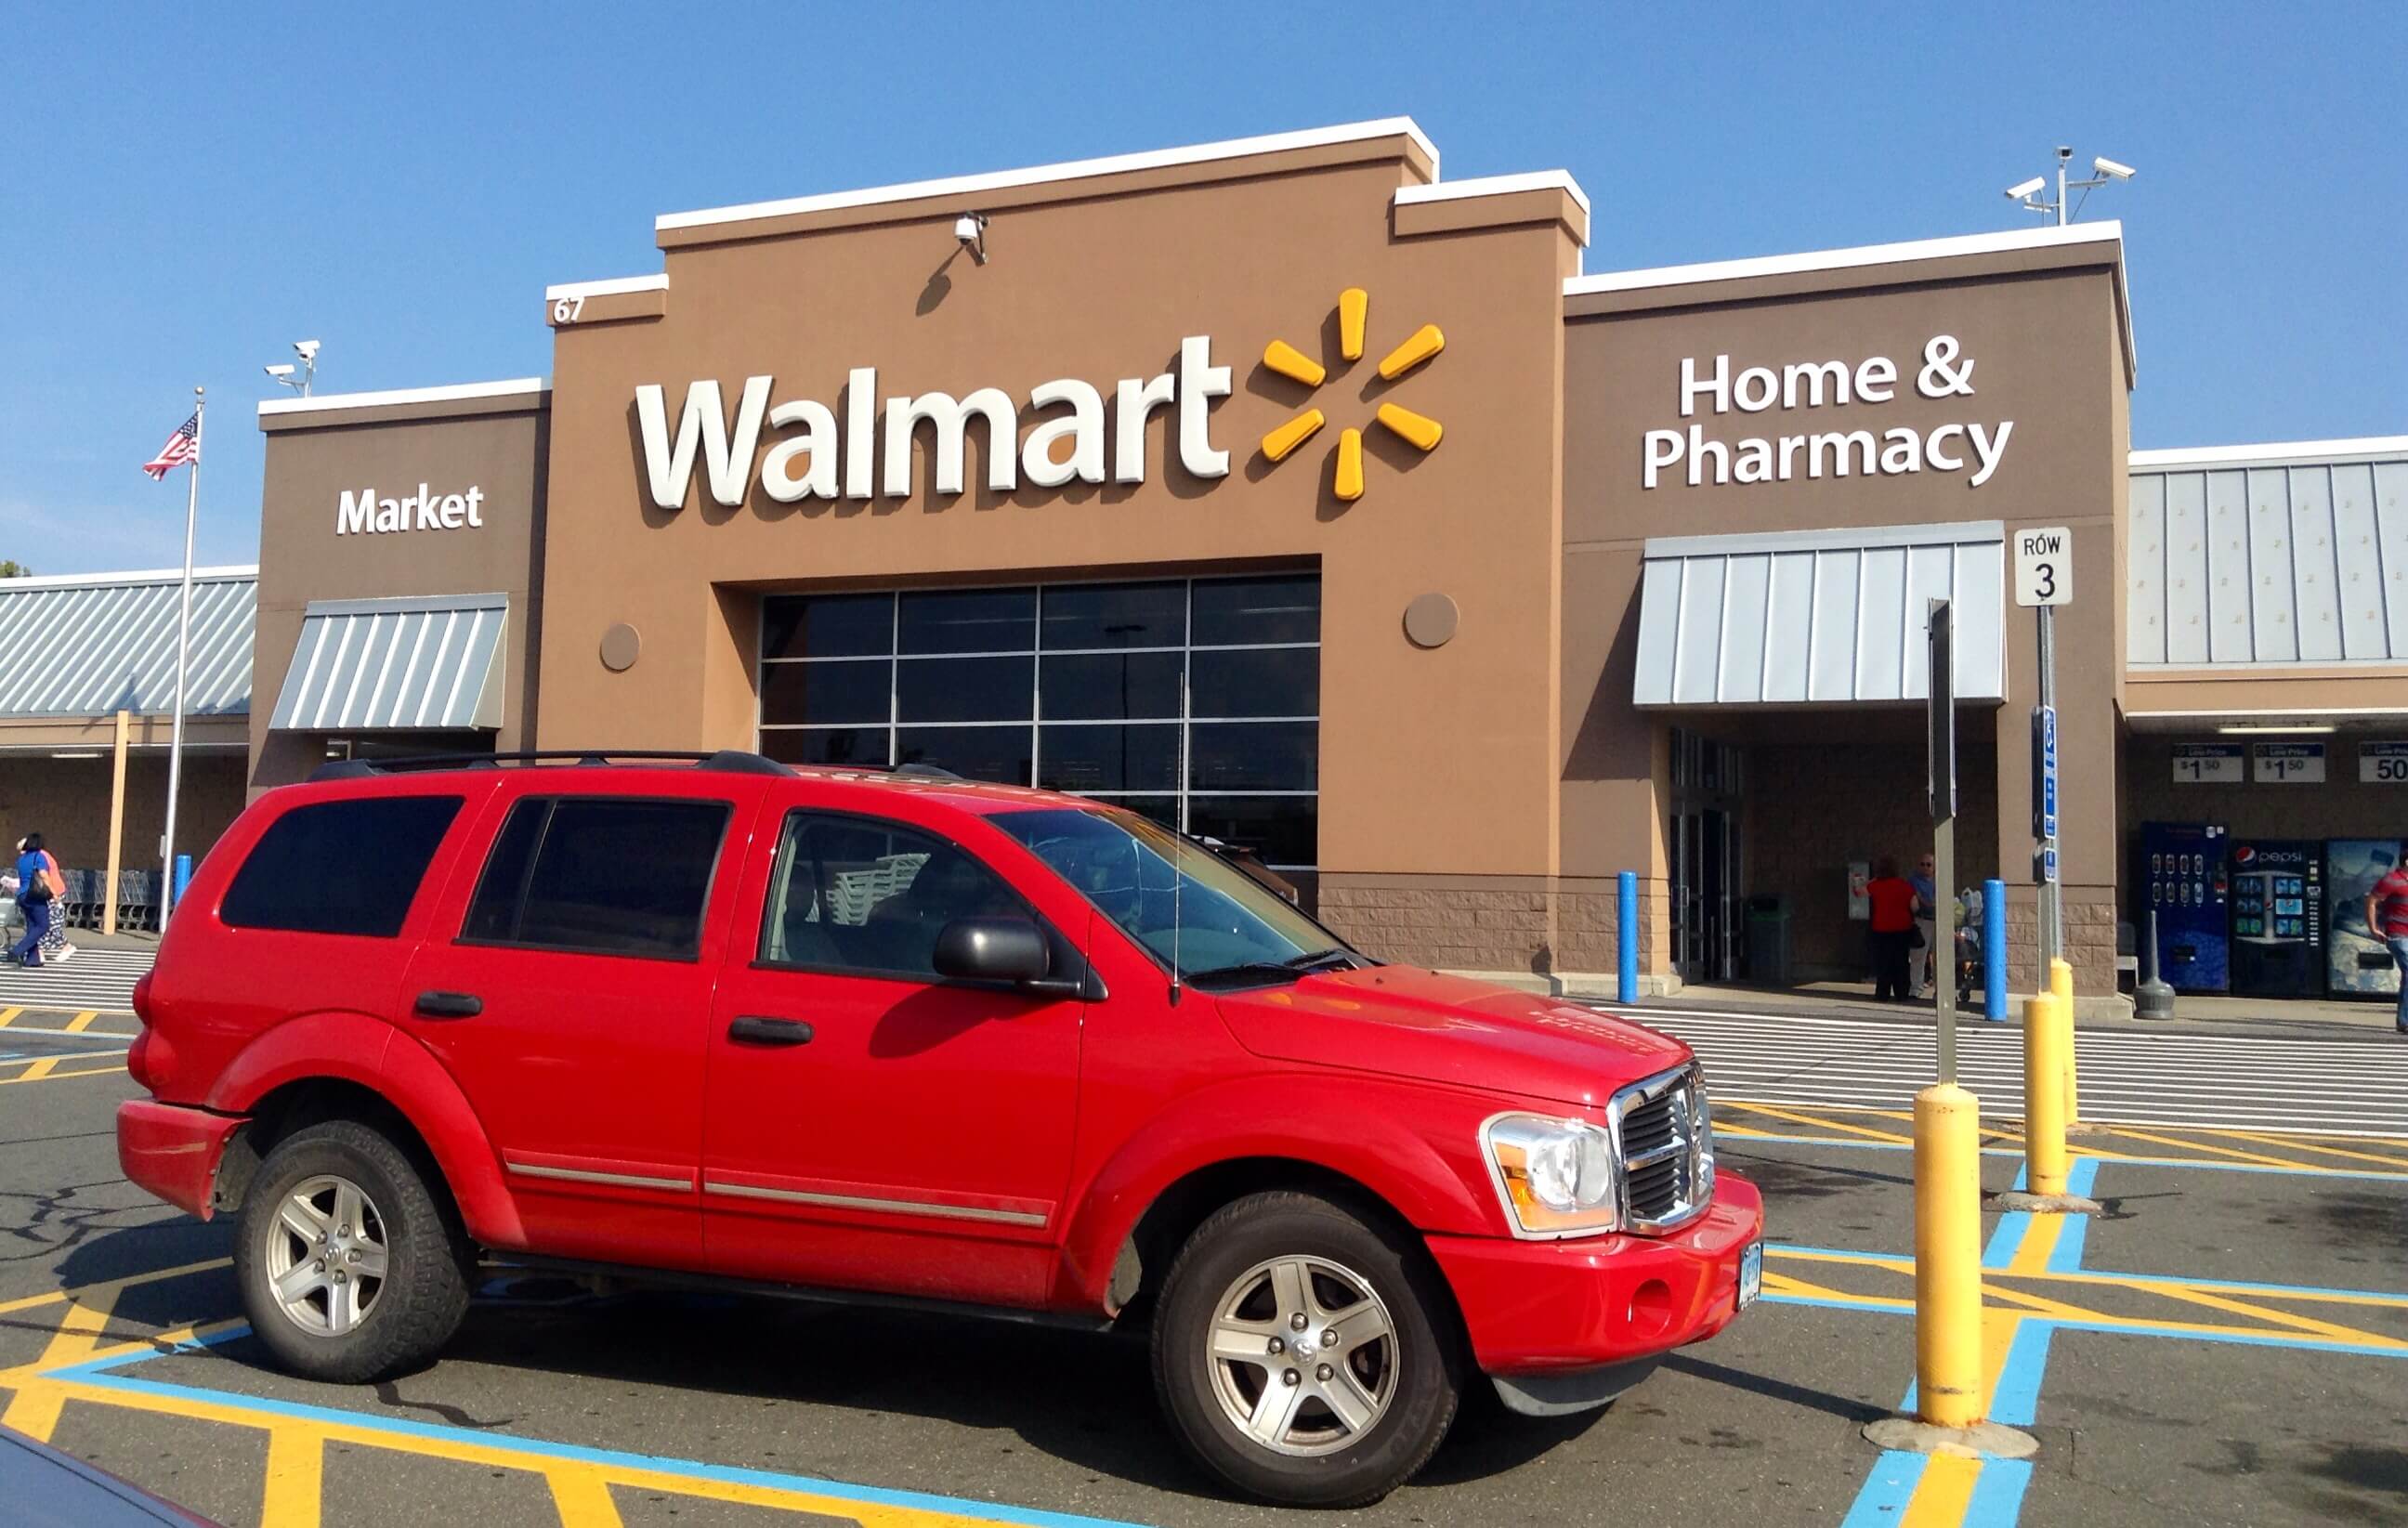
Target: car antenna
<point x="1176" y="875"/>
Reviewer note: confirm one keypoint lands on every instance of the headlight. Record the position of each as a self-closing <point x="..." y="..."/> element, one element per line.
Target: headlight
<point x="1557" y="1177"/>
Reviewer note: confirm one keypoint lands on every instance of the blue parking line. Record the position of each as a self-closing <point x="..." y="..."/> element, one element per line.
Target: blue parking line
<point x="1998" y="1497"/>
<point x="2079" y="1181"/>
<point x="2012" y="1227"/>
<point x="1724" y="1144"/>
<point x="1882" y="1503"/>
<point x="100" y="1371"/>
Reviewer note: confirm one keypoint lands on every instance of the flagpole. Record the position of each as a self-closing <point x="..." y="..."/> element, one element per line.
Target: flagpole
<point x="183" y="649"/>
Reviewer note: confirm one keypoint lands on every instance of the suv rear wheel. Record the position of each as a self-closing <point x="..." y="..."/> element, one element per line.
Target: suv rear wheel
<point x="349" y="1269"/>
<point x="1302" y="1353"/>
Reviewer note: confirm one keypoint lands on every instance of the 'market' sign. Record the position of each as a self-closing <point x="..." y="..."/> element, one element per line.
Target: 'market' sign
<point x="362" y="513"/>
<point x="1974" y="446"/>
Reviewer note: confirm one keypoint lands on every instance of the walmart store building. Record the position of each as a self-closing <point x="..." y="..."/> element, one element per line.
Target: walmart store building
<point x="1287" y="490"/>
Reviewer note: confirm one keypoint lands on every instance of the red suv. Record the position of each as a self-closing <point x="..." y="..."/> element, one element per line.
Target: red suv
<point x="829" y="1031"/>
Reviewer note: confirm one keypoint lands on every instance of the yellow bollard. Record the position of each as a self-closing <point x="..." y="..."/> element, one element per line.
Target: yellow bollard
<point x="1948" y="1256"/>
<point x="2044" y="1034"/>
<point x="2061" y="983"/>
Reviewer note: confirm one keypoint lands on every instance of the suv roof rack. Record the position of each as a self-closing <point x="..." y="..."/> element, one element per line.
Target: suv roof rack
<point x="726" y="761"/>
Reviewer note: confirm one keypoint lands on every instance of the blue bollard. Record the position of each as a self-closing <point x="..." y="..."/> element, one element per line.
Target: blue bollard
<point x="183" y="875"/>
<point x="1993" y="951"/>
<point x="1625" y="936"/>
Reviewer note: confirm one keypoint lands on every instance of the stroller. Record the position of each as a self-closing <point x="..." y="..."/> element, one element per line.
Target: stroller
<point x="1973" y="980"/>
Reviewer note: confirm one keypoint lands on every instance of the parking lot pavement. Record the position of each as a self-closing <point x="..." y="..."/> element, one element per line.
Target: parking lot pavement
<point x="2159" y="1387"/>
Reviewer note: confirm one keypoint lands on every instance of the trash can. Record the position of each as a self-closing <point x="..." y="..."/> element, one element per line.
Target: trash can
<point x="1767" y="939"/>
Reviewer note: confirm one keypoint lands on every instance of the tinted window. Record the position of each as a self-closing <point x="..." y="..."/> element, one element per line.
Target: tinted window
<point x="1001" y="754"/>
<point x="339" y="866"/>
<point x="603" y="875"/>
<point x="1106" y="686"/>
<point x="1283" y="608"/>
<point x="1263" y="681"/>
<point x="964" y="690"/>
<point x="849" y="895"/>
<point x="968" y="620"/>
<point x="859" y="746"/>
<point x="1116" y="615"/>
<point x="824" y="693"/>
<point x="827" y="625"/>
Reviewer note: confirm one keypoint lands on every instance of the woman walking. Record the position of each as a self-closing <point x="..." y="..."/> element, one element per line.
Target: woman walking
<point x="1893" y="928"/>
<point x="37" y="892"/>
<point x="54" y="942"/>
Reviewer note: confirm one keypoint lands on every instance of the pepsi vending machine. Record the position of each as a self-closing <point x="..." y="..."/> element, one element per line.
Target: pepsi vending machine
<point x="2183" y="881"/>
<point x="2278" y="920"/>
<point x="2357" y="963"/>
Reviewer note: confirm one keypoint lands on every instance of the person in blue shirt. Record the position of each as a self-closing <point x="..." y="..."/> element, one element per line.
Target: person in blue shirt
<point x="1925" y="963"/>
<point x="33" y="899"/>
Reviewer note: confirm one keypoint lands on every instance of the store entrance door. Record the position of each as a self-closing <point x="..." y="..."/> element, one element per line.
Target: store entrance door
<point x="1706" y="870"/>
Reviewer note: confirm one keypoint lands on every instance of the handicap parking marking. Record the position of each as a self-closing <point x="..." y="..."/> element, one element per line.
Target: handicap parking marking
<point x="1908" y="1490"/>
<point x="78" y="1366"/>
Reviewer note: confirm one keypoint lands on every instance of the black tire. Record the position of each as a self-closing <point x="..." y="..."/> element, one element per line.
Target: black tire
<point x="1425" y="1350"/>
<point x="415" y="1307"/>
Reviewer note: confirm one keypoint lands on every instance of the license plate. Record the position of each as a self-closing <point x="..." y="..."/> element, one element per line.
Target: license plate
<point x="1750" y="1274"/>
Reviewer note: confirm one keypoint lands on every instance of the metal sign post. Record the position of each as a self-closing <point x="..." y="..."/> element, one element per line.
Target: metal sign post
<point x="1941" y="714"/>
<point x="2045" y="580"/>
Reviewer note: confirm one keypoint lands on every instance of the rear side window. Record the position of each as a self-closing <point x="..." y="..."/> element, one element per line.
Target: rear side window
<point x="339" y="866"/>
<point x="601" y="874"/>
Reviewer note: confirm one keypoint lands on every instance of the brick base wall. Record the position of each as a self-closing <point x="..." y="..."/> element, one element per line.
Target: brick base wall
<point x="66" y="802"/>
<point x="1534" y="926"/>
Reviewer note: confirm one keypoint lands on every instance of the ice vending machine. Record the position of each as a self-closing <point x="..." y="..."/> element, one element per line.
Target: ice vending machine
<point x="2182" y="879"/>
<point x="2278" y="920"/>
<point x="2357" y="964"/>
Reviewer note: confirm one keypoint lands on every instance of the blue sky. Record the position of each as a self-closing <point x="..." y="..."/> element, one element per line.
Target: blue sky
<point x="187" y="191"/>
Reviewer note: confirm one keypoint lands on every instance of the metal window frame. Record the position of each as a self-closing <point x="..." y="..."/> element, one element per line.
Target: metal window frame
<point x="894" y="726"/>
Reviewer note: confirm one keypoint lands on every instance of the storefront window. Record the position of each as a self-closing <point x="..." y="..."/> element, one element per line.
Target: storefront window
<point x="1194" y="701"/>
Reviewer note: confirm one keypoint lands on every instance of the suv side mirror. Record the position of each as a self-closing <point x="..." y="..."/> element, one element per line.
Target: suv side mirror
<point x="1011" y="949"/>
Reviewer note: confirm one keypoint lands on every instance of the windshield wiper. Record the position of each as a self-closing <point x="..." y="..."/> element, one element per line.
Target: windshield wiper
<point x="1292" y="968"/>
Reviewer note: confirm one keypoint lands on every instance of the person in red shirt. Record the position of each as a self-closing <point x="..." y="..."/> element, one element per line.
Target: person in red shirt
<point x="1893" y="927"/>
<point x="2386" y="919"/>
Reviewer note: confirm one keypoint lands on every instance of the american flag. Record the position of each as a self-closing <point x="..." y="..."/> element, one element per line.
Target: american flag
<point x="182" y="447"/>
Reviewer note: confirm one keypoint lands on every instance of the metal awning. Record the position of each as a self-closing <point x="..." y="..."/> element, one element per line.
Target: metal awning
<point x="396" y="664"/>
<point x="1800" y="617"/>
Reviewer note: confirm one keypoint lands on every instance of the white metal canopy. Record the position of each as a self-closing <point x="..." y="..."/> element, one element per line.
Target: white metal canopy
<point x="396" y="664"/>
<point x="1797" y="618"/>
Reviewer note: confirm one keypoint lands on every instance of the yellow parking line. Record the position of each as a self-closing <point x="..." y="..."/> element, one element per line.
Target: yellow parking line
<point x="35" y="1410"/>
<point x="42" y="1071"/>
<point x="581" y="1494"/>
<point x="82" y="1022"/>
<point x="1943" y="1494"/>
<point x="8" y="1016"/>
<point x="1810" y="1119"/>
<point x="94" y="1290"/>
<point x="297" y="1469"/>
<point x="2259" y="1158"/>
<point x="2308" y="1324"/>
<point x="2322" y="1150"/>
<point x="2037" y="1245"/>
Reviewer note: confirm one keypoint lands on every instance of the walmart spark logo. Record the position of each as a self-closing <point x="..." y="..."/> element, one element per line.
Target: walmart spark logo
<point x="1417" y="430"/>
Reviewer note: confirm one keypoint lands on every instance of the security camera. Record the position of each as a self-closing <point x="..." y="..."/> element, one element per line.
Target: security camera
<point x="2025" y="187"/>
<point x="306" y="348"/>
<point x="970" y="228"/>
<point x="280" y="372"/>
<point x="2063" y="153"/>
<point x="2108" y="166"/>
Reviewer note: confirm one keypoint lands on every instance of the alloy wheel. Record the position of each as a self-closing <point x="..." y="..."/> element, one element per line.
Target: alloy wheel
<point x="1303" y="1355"/>
<point x="326" y="1255"/>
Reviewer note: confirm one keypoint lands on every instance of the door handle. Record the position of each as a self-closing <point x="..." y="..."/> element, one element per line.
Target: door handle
<point x="752" y="1029"/>
<point x="448" y="1005"/>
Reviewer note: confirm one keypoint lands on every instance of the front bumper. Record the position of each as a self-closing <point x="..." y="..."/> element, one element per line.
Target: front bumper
<point x="1549" y="1310"/>
<point x="173" y="1152"/>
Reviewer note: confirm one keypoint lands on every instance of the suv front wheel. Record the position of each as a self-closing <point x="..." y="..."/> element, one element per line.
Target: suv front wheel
<point x="348" y="1267"/>
<point x="1303" y="1355"/>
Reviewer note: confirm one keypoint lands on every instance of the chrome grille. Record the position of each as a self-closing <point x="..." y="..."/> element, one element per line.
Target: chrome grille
<point x="1664" y="1139"/>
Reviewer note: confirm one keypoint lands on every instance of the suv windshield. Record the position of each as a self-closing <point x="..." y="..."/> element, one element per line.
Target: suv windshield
<point x="1198" y="913"/>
